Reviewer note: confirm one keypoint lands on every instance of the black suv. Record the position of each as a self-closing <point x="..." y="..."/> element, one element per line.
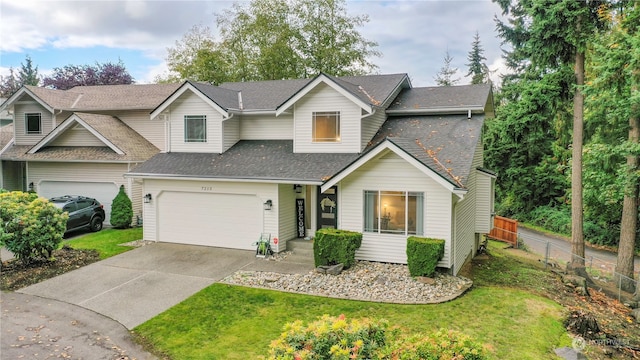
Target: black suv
<point x="83" y="211"/>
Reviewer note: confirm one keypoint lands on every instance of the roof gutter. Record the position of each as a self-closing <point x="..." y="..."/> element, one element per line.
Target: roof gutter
<point x="442" y="110"/>
<point x="236" y="179"/>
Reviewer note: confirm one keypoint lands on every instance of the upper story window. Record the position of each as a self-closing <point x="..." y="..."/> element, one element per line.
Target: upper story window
<point x="33" y="123"/>
<point x="195" y="128"/>
<point x="326" y="126"/>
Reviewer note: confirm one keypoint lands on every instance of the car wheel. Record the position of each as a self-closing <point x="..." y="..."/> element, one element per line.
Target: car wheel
<point x="96" y="224"/>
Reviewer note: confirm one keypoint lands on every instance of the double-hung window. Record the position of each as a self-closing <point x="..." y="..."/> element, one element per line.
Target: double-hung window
<point x="326" y="126"/>
<point x="195" y="128"/>
<point x="33" y="123"/>
<point x="394" y="212"/>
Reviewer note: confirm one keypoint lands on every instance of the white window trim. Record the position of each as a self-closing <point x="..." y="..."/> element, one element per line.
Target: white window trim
<point x="26" y="124"/>
<point x="203" y="118"/>
<point x="337" y="138"/>
<point x="378" y="227"/>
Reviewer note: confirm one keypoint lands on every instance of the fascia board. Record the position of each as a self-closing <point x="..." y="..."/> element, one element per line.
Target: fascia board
<point x="181" y="90"/>
<point x="323" y="79"/>
<point x="67" y="124"/>
<point x="19" y="93"/>
<point x="372" y="154"/>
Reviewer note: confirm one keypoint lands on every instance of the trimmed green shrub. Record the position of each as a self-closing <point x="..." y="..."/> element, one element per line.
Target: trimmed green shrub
<point x="330" y="338"/>
<point x="121" y="210"/>
<point x="32" y="226"/>
<point x="442" y="345"/>
<point x="423" y="255"/>
<point x="334" y="246"/>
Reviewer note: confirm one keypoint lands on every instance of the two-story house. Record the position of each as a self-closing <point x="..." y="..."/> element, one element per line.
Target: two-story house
<point x="367" y="153"/>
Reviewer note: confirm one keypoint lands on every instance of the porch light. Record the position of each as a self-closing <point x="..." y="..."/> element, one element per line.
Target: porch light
<point x="147" y="199"/>
<point x="31" y="186"/>
<point x="297" y="188"/>
<point x="268" y="204"/>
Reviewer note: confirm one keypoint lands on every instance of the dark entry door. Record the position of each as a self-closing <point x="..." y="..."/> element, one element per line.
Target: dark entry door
<point x="328" y="208"/>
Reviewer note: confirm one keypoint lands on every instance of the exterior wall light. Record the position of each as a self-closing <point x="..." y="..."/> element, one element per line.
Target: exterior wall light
<point x="268" y="204"/>
<point x="31" y="186"/>
<point x="297" y="188"/>
<point x="147" y="199"/>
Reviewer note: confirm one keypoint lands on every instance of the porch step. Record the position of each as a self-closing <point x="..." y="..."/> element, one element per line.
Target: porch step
<point x="301" y="251"/>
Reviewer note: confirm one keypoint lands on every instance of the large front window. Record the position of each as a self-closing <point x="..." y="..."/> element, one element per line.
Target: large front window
<point x="33" y="122"/>
<point x="195" y="128"/>
<point x="326" y="126"/>
<point x="394" y="212"/>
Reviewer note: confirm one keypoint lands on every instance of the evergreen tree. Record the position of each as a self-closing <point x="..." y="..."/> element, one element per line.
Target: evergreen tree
<point x="478" y="70"/>
<point x="121" y="210"/>
<point x="28" y="75"/>
<point x="549" y="36"/>
<point x="445" y="75"/>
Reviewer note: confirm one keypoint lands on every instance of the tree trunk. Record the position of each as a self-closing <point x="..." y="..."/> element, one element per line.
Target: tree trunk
<point x="577" y="233"/>
<point x="629" y="221"/>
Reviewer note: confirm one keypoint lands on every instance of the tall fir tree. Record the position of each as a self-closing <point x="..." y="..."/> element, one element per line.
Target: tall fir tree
<point x="478" y="69"/>
<point x="446" y="73"/>
<point x="551" y="35"/>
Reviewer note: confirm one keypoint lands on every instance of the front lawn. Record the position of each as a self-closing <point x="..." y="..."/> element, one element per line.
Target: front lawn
<point x="232" y="322"/>
<point x="106" y="242"/>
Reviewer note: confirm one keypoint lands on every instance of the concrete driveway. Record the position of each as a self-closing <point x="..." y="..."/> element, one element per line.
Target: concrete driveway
<point x="133" y="287"/>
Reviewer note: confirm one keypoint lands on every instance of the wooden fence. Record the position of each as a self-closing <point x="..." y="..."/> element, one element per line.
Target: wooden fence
<point x="505" y="229"/>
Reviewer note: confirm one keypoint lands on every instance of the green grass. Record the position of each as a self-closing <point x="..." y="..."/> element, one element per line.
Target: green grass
<point x="231" y="322"/>
<point x="107" y="242"/>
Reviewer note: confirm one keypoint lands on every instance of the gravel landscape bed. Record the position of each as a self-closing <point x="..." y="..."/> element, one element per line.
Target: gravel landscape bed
<point x="367" y="281"/>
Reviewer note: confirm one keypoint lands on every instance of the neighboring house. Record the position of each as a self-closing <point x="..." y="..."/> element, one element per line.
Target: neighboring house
<point x="5" y="117"/>
<point x="369" y="154"/>
<point x="81" y="141"/>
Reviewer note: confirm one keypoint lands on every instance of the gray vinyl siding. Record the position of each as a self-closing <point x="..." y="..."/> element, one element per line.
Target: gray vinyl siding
<point x="191" y="104"/>
<point x="286" y="215"/>
<point x="392" y="173"/>
<point x="80" y="172"/>
<point x="135" y="194"/>
<point x="465" y="213"/>
<point x="261" y="190"/>
<point x="140" y="121"/>
<point x="371" y="125"/>
<point x="322" y="99"/>
<point x="12" y="176"/>
<point x="484" y="203"/>
<point x="20" y="127"/>
<point x="77" y="136"/>
<point x="266" y="127"/>
<point x="231" y="132"/>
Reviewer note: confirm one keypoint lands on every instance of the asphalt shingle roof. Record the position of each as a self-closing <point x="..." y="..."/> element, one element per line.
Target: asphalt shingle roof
<point x="106" y="97"/>
<point x="446" y="143"/>
<point x="442" y="97"/>
<point x="135" y="147"/>
<point x="225" y="98"/>
<point x="249" y="159"/>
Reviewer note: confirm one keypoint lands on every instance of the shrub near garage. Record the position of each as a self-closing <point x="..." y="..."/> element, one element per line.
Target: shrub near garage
<point x="121" y="210"/>
<point x="334" y="246"/>
<point x="32" y="226"/>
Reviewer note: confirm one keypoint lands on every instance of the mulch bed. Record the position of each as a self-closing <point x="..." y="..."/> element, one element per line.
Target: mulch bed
<point x="16" y="275"/>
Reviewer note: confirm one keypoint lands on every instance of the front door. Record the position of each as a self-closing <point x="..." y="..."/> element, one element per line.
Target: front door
<point x="328" y="208"/>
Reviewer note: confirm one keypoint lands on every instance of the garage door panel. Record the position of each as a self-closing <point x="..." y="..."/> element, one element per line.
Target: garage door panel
<point x="104" y="192"/>
<point x="223" y="220"/>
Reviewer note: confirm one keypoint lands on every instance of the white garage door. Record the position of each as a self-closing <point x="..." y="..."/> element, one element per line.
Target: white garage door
<point x="223" y="220"/>
<point x="101" y="191"/>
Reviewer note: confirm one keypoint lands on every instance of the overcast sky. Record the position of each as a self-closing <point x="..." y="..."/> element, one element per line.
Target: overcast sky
<point x="413" y="36"/>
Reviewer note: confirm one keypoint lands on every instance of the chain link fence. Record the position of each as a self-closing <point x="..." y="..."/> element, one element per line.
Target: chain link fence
<point x="598" y="268"/>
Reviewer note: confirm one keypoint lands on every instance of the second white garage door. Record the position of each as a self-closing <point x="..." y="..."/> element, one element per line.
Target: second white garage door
<point x="222" y="220"/>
